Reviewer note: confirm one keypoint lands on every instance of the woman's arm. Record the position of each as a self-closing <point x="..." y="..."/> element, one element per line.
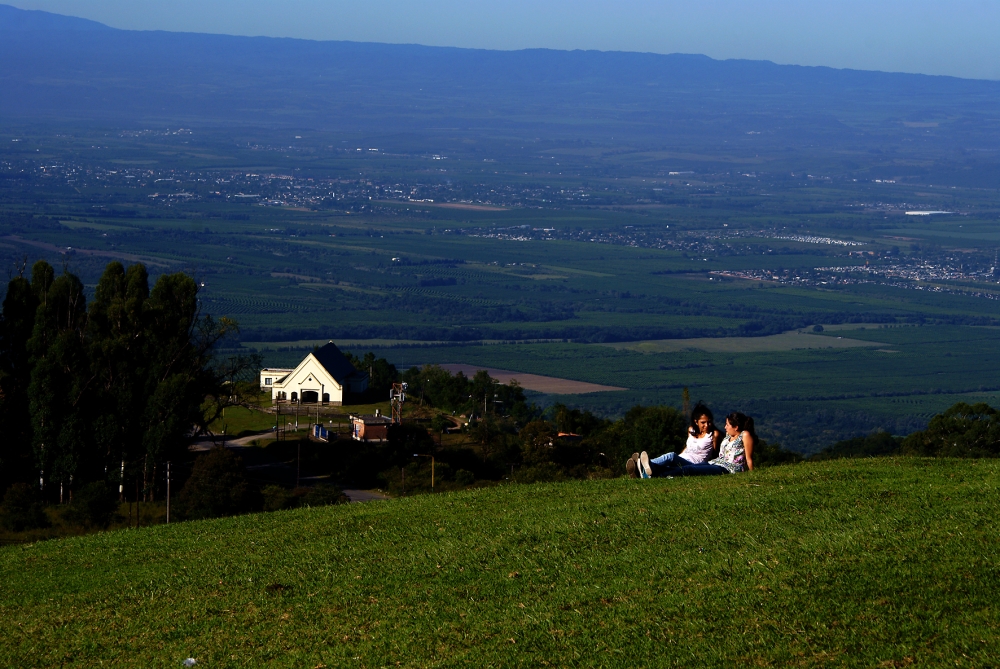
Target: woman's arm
<point x="716" y="441"/>
<point x="748" y="449"/>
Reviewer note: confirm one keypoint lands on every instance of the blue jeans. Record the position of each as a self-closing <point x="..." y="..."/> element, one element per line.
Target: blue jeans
<point x="703" y="469"/>
<point x="668" y="464"/>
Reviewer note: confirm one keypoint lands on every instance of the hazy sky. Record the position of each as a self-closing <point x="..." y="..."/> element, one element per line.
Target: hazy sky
<point x="959" y="37"/>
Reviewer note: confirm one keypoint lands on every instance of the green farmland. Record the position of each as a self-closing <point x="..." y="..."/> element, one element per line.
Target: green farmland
<point x="650" y="283"/>
<point x="804" y="398"/>
<point x="848" y="563"/>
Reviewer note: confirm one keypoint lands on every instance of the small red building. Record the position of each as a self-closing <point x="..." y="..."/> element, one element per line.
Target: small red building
<point x="370" y="428"/>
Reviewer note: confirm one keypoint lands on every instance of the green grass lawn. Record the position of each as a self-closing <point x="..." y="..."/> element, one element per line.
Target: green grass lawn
<point x="850" y="563"/>
<point x="240" y="421"/>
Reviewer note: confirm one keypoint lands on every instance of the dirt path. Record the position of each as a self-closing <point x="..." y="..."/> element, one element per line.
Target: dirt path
<point x="536" y="382"/>
<point x="88" y="252"/>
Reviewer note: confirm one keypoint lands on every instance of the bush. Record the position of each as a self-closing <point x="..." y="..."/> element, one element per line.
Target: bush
<point x="540" y="473"/>
<point x="442" y="472"/>
<point x="657" y="430"/>
<point x="963" y="431"/>
<point x="440" y="424"/>
<point x="464" y="477"/>
<point x="879" y="444"/>
<point x="277" y="498"/>
<point x="95" y="505"/>
<point x="324" y="495"/>
<point x="769" y="455"/>
<point x="405" y="440"/>
<point x="22" y="510"/>
<point x="217" y="487"/>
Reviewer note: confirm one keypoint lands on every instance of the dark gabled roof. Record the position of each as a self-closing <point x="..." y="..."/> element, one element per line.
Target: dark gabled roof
<point x="369" y="419"/>
<point x="335" y="362"/>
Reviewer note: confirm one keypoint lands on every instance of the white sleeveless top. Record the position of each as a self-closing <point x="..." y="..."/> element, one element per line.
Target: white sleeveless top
<point x="698" y="449"/>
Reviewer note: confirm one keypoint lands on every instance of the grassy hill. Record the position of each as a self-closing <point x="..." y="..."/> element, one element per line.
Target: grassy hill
<point x="848" y="563"/>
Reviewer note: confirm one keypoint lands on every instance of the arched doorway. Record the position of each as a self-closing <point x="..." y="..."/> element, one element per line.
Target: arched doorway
<point x="295" y="397"/>
<point x="310" y="397"/>
<point x="326" y="398"/>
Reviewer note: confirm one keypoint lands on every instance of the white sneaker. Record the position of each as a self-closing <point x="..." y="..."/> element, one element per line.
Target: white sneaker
<point x="644" y="466"/>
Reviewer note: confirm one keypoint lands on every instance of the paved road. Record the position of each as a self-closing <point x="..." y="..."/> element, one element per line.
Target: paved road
<point x="206" y="443"/>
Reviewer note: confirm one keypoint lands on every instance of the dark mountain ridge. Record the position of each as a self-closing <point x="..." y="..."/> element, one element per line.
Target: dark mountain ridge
<point x="13" y="19"/>
<point x="65" y="69"/>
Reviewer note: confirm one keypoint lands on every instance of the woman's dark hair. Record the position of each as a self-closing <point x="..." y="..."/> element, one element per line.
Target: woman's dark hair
<point x="699" y="411"/>
<point x="742" y="422"/>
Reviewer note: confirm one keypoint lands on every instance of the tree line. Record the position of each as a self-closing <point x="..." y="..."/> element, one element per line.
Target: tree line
<point x="105" y="391"/>
<point x="514" y="439"/>
<point x="961" y="431"/>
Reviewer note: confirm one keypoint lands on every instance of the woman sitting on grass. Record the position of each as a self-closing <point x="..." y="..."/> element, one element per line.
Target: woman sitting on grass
<point x="702" y="443"/>
<point x="735" y="452"/>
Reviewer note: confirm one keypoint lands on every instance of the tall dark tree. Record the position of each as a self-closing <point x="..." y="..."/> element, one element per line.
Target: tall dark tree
<point x="123" y="381"/>
<point x="116" y="332"/>
<point x="178" y="351"/>
<point x="16" y="325"/>
<point x="57" y="392"/>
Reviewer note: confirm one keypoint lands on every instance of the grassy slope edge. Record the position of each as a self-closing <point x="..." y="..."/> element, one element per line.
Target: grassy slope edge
<point x="850" y="563"/>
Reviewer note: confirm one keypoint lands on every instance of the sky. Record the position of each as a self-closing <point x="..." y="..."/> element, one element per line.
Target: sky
<point x="957" y="38"/>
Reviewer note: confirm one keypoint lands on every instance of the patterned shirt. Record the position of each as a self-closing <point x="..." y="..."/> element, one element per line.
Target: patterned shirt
<point x="732" y="456"/>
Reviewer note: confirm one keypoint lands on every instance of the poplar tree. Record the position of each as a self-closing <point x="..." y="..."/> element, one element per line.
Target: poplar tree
<point x="19" y="307"/>
<point x="116" y="332"/>
<point x="86" y="388"/>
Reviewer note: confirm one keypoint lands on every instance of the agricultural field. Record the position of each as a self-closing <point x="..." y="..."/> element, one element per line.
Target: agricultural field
<point x="786" y="341"/>
<point x="860" y="563"/>
<point x="613" y="269"/>
<point x="803" y="398"/>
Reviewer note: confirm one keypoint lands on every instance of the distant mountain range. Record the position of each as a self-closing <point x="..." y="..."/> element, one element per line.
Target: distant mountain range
<point x="59" y="68"/>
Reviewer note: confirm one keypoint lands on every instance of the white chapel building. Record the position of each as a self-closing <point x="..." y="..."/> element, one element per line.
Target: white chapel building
<point x="324" y="376"/>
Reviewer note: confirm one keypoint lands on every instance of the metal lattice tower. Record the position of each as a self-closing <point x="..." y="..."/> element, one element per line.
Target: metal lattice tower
<point x="396" y="398"/>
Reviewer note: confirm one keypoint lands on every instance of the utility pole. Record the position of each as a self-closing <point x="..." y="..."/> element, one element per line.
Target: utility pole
<point x="168" y="492"/>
